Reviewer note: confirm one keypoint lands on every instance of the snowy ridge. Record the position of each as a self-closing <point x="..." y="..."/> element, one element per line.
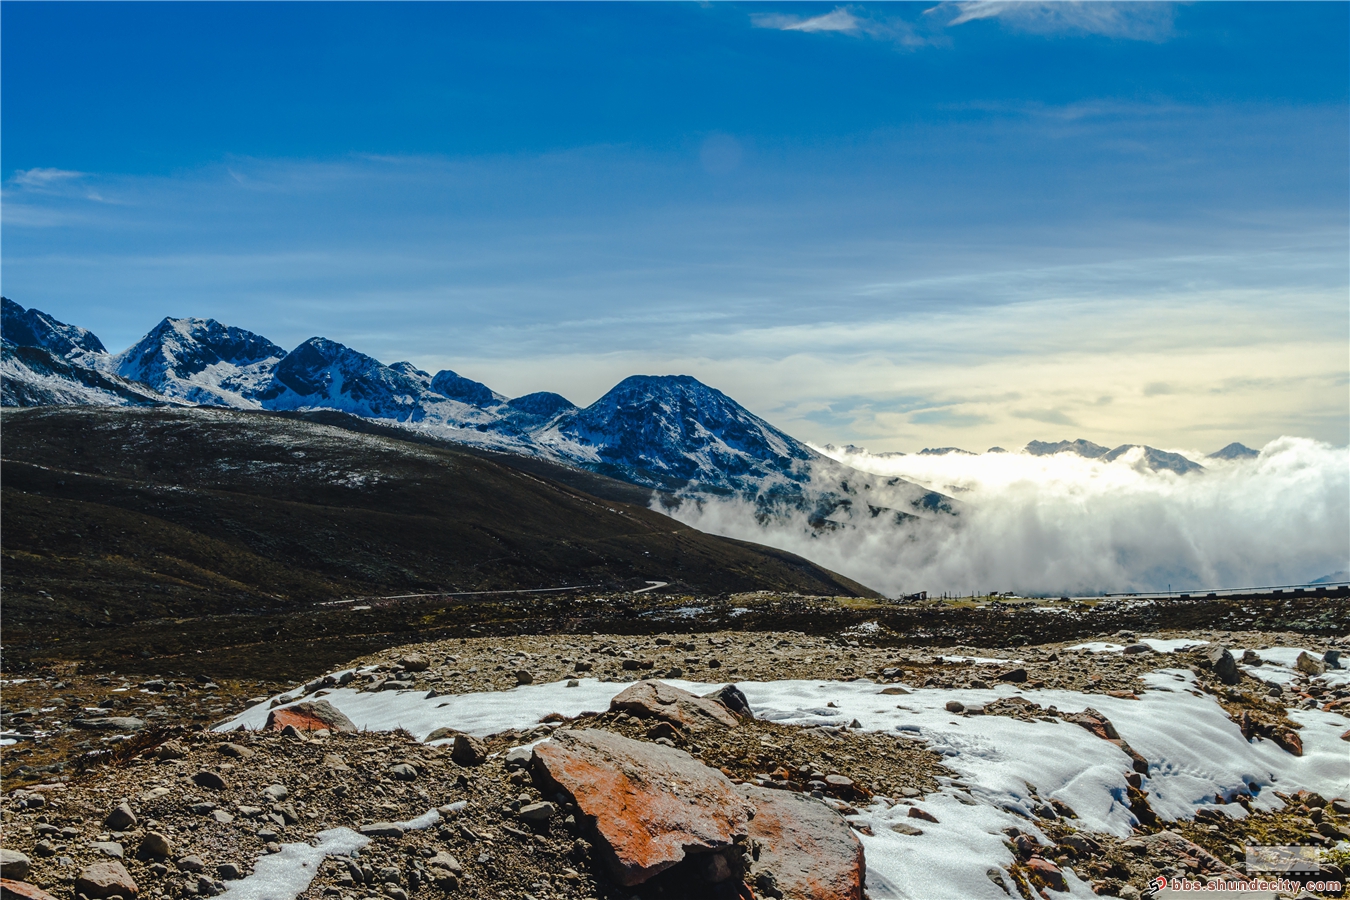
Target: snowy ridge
<point x="201" y="361"/>
<point x="671" y="432"/>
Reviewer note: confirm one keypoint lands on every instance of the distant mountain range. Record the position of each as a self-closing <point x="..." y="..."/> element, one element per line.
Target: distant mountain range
<point x="671" y="433"/>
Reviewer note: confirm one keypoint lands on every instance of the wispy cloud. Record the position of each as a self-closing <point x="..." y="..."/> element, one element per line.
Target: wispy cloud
<point x="843" y="20"/>
<point x="41" y="178"/>
<point x="836" y="20"/>
<point x="1130" y="21"/>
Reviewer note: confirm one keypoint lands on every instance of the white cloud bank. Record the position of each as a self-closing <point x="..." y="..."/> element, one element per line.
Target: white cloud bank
<point x="1065" y="524"/>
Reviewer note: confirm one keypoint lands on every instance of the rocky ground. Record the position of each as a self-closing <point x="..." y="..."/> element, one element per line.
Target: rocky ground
<point x="185" y="811"/>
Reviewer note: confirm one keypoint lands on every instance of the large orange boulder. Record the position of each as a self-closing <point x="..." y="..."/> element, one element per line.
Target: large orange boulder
<point x="309" y="715"/>
<point x="658" y="700"/>
<point x="653" y="806"/>
<point x="804" y="848"/>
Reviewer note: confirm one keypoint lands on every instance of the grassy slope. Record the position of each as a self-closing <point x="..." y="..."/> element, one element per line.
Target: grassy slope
<point x="115" y="517"/>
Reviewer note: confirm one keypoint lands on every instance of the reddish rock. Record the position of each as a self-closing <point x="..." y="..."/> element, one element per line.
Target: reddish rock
<point x="916" y="813"/>
<point x="658" y="700"/>
<point x="807" y="848"/>
<point x="309" y="715"/>
<point x="652" y="805"/>
<point x="1101" y="726"/>
<point x="12" y="888"/>
<point x="105" y="879"/>
<point x="1046" y="873"/>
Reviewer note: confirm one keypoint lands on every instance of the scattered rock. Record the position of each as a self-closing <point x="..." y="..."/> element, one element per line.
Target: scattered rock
<point x="1332" y="658"/>
<point x="656" y="699"/>
<point x="11" y="888"/>
<point x="191" y="864"/>
<point x="210" y="780"/>
<point x="1046" y="873"/>
<point x="1014" y="676"/>
<point x="807" y="848"/>
<point x="105" y="879"/>
<point x="276" y="792"/>
<point x="310" y="715"/>
<point x="403" y="772"/>
<point x="1309" y="664"/>
<point x="121" y="818"/>
<point x="155" y="846"/>
<point x="731" y="697"/>
<point x="916" y="813"/>
<point x="108" y="848"/>
<point x="518" y="757"/>
<point x="237" y="751"/>
<point x="382" y="830"/>
<point x="170" y="750"/>
<point x="14" y="864"/>
<point x="229" y="872"/>
<point x="414" y="662"/>
<point x="524" y="677"/>
<point x="110" y="723"/>
<point x="537" y="813"/>
<point x="1224" y="666"/>
<point x="652" y="805"/>
<point x="468" y="750"/>
<point x="954" y="706"/>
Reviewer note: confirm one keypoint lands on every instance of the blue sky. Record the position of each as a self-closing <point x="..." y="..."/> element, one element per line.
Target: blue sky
<point x="898" y="225"/>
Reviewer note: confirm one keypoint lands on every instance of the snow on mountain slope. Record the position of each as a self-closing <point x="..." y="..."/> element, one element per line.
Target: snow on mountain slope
<point x="325" y="374"/>
<point x="465" y="390"/>
<point x="670" y="431"/>
<point x="34" y="328"/>
<point x="1137" y="455"/>
<point x="202" y="361"/>
<point x="35" y="376"/>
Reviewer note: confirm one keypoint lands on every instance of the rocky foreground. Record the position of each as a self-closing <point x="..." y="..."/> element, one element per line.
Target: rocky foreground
<point x="660" y="793"/>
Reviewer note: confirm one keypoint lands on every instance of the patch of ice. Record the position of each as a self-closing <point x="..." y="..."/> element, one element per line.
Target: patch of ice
<point x="286" y="875"/>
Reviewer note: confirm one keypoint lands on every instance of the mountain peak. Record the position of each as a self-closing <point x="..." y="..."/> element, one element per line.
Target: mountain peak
<point x="669" y="430"/>
<point x="34" y="328"/>
<point x="465" y="390"/>
<point x="201" y="361"/>
<point x="1083" y="448"/>
<point x="1235" y="451"/>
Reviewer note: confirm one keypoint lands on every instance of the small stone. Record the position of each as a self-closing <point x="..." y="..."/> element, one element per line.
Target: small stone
<point x="275" y="792"/>
<point x="524" y="677"/>
<point x="121" y="818"/>
<point x="382" y="830"/>
<point x="229" y="872"/>
<point x="238" y="751"/>
<point x="403" y="772"/>
<point x="108" y="848"/>
<point x="191" y="864"/>
<point x="105" y="879"/>
<point x="518" y="757"/>
<point x="572" y="682"/>
<point x="210" y="781"/>
<point x="203" y="809"/>
<point x="1137" y="648"/>
<point x="155" y="845"/>
<point x="1224" y="666"/>
<point x="44" y="849"/>
<point x="394" y="892"/>
<point x="1013" y="676"/>
<point x="954" y="706"/>
<point x="222" y="816"/>
<point x="1047" y="873"/>
<point x="468" y="751"/>
<point x="14" y="864"/>
<point x="443" y="860"/>
<point x="1310" y="665"/>
<point x="1332" y="658"/>
<point x="537" y="813"/>
<point x="906" y="828"/>
<point x="916" y="813"/>
<point x="414" y="662"/>
<point x="894" y="691"/>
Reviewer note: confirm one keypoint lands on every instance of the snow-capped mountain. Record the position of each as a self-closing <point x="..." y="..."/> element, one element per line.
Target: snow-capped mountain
<point x="1235" y="451"/>
<point x="34" y="328"/>
<point x="465" y="390"/>
<point x="35" y="376"/>
<point x="201" y="361"/>
<point x="670" y="431"/>
<point x="323" y="374"/>
<point x="1135" y="454"/>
